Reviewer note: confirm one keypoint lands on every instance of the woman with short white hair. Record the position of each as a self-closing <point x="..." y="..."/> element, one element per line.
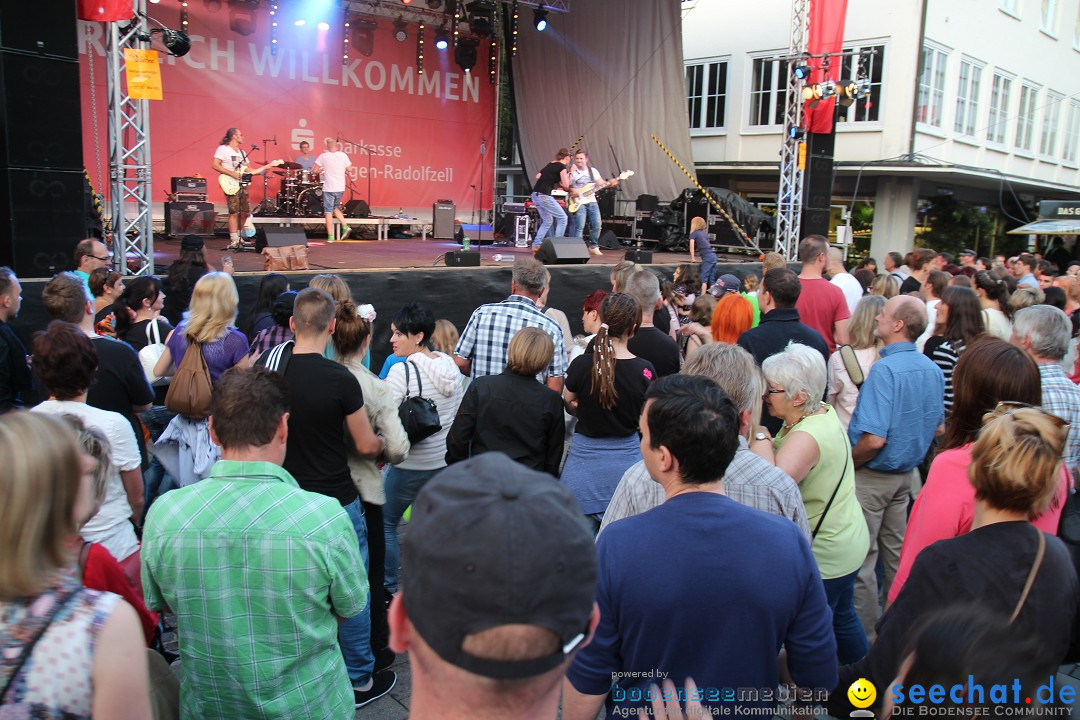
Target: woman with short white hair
<point x="813" y="449"/>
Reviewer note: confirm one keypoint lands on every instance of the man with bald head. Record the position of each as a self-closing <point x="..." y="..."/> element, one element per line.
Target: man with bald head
<point x="901" y="408"/>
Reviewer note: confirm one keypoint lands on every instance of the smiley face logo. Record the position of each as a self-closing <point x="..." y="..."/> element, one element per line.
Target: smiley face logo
<point x="862" y="693"/>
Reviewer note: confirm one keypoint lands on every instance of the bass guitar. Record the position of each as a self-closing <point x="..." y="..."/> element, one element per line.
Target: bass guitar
<point x="589" y="188"/>
<point x="232" y="185"/>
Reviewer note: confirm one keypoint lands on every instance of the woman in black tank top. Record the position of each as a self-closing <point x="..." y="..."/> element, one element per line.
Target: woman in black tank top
<point x="552" y="216"/>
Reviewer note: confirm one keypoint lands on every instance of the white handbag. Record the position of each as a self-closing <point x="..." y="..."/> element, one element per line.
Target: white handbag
<point x="150" y="354"/>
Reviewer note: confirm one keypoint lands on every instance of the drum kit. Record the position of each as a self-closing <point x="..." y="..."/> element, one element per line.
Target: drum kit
<point x="300" y="194"/>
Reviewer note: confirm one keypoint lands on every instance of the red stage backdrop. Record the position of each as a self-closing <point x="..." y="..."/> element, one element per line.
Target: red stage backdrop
<point x="826" y="36"/>
<point x="425" y="131"/>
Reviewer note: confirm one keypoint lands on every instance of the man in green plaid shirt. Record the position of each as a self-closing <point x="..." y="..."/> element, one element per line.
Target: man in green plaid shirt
<point x="258" y="571"/>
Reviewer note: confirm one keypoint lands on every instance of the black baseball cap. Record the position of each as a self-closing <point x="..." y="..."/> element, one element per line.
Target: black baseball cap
<point x="491" y="543"/>
<point x="967" y="252"/>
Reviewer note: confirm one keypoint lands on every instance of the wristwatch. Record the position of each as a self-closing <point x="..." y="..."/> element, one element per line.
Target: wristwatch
<point x="761" y="436"/>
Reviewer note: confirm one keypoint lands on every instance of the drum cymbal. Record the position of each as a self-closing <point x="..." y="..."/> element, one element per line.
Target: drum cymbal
<point x="278" y="172"/>
<point x="291" y="166"/>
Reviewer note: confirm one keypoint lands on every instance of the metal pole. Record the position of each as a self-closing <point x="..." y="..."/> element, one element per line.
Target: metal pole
<point x="790" y="193"/>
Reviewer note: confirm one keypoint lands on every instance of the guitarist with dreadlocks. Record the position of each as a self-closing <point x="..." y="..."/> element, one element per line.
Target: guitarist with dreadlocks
<point x="235" y="176"/>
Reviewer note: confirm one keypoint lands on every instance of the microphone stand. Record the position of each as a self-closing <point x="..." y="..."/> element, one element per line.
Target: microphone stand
<point x="479" y="230"/>
<point x="478" y="233"/>
<point x="266" y="178"/>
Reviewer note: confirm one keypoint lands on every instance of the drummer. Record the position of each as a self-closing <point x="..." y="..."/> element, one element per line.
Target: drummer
<point x="305" y="159"/>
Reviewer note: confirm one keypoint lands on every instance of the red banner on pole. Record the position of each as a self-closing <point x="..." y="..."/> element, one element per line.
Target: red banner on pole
<point x="417" y="137"/>
<point x="826" y="36"/>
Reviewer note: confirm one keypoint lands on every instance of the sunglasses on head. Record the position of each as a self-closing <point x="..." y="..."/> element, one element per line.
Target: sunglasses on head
<point x="1008" y="407"/>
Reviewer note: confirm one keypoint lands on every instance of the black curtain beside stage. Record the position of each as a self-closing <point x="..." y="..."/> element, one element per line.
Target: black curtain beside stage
<point x="451" y="293"/>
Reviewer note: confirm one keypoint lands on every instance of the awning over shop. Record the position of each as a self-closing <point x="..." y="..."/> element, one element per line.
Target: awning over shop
<point x="1049" y="227"/>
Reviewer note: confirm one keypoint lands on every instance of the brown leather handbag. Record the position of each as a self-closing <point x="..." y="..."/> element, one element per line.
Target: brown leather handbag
<point x="190" y="392"/>
<point x="289" y="257"/>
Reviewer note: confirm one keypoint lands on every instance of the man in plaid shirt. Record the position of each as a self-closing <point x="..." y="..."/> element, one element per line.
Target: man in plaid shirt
<point x="258" y="571"/>
<point x="1045" y="332"/>
<point x="483" y="346"/>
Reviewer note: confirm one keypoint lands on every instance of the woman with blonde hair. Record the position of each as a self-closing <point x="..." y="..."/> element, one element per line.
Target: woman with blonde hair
<point x="1004" y="564"/>
<point x="210" y="322"/>
<point x="620" y="274"/>
<point x="605" y="389"/>
<point x="336" y="287"/>
<point x="513" y="412"/>
<point x="885" y="286"/>
<point x="76" y="653"/>
<point x="861" y="353"/>
<point x="445" y="337"/>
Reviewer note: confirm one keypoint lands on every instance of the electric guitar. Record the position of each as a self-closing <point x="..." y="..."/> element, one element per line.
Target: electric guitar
<point x="589" y="188"/>
<point x="232" y="185"/>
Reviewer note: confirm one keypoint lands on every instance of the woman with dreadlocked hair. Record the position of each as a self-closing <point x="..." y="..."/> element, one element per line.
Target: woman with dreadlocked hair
<point x="605" y="389"/>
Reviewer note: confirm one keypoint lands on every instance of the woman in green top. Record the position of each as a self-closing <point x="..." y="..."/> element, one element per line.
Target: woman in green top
<point x="813" y="448"/>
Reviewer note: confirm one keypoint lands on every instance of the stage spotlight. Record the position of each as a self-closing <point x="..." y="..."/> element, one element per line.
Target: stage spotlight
<point x="801" y="71"/>
<point x="540" y="18"/>
<point x="364" y="36"/>
<point x="465" y="53"/>
<point x="442" y="39"/>
<point x="796" y="133"/>
<point x="300" y="23"/>
<point x="434" y="4"/>
<point x="177" y="42"/>
<point x="243" y="16"/>
<point x="406" y="2"/>
<point x="481" y="13"/>
<point x="818" y="92"/>
<point x="324" y="26"/>
<point x="400" y="33"/>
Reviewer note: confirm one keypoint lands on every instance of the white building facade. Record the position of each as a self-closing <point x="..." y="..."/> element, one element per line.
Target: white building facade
<point x="977" y="98"/>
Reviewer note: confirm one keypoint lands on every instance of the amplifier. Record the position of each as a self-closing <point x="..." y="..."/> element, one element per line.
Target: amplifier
<point x="183" y="197"/>
<point x="442" y="220"/>
<point x="514" y="208"/>
<point x="195" y="218"/>
<point x="195" y="185"/>
<point x="463" y="258"/>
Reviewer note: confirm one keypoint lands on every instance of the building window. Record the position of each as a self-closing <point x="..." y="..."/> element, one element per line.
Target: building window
<point x="1000" y="91"/>
<point x="874" y="64"/>
<point x="706" y="95"/>
<point x="1025" y="118"/>
<point x="1051" y="117"/>
<point x="967" y="96"/>
<point x="1072" y="134"/>
<point x="932" y="86"/>
<point x="1076" y="31"/>
<point x="768" y="92"/>
<point x="1049" y="17"/>
<point x="1009" y="6"/>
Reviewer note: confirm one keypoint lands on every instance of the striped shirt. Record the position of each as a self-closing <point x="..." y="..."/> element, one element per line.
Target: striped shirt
<point x="256" y="570"/>
<point x="749" y="480"/>
<point x="1061" y="397"/>
<point x="486" y="339"/>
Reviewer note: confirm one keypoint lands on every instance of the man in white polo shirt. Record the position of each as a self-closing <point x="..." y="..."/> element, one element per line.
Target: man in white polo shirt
<point x="333" y="164"/>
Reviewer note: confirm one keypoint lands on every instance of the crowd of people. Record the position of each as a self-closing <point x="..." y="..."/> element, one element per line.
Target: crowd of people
<point x="730" y="484"/>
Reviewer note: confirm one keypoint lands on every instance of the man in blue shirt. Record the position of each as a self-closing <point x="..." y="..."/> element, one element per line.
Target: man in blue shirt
<point x="741" y="584"/>
<point x="1024" y="271"/>
<point x="901" y="408"/>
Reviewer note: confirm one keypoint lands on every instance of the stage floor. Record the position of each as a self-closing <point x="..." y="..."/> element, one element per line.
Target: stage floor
<point x="396" y="253"/>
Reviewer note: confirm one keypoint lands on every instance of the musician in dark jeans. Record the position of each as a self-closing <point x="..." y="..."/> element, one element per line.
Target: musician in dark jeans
<point x="553" y="174"/>
<point x="582" y="174"/>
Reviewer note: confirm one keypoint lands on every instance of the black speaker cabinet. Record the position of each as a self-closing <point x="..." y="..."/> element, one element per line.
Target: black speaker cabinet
<point x="45" y="28"/>
<point x="442" y="220"/>
<point x="463" y="258"/>
<point x="284" y="235"/>
<point x="39" y="116"/>
<point x="43" y="217"/>
<point x="357" y="209"/>
<point x="641" y="257"/>
<point x="563" y="251"/>
<point x="189" y="218"/>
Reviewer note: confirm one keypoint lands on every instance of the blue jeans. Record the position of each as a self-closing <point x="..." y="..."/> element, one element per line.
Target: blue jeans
<point x="354" y="634"/>
<point x="577" y="223"/>
<point x="402" y="486"/>
<point x="851" y="643"/>
<point x="550" y="212"/>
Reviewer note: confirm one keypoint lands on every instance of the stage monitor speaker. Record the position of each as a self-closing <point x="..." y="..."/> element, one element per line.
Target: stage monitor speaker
<point x="442" y="220"/>
<point x="43" y="217"/>
<point x="641" y="257"/>
<point x="563" y="251"/>
<point x="357" y="209"/>
<point x="284" y="236"/>
<point x="463" y="258"/>
<point x="647" y="203"/>
<point x="609" y="241"/>
<point x="40" y="124"/>
<point x="41" y="28"/>
<point x="189" y="218"/>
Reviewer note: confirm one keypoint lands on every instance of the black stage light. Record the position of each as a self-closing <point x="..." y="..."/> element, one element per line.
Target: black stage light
<point x="400" y="33"/>
<point x="540" y="18"/>
<point x="177" y="42"/>
<point x="442" y="39"/>
<point x="434" y="4"/>
<point x="465" y="53"/>
<point x="481" y="14"/>
<point x="364" y="36"/>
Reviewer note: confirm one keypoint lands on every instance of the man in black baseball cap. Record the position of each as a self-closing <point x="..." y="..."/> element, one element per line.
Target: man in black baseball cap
<point x="497" y="591"/>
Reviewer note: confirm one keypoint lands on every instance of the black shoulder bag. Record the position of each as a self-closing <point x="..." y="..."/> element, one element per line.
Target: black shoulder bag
<point x="419" y="415"/>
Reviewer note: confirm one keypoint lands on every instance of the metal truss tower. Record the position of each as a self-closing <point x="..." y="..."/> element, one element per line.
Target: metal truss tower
<point x="129" y="151"/>
<point x="789" y="198"/>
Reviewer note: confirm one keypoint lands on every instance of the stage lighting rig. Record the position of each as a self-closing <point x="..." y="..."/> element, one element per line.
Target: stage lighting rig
<point x="364" y="36"/>
<point x="540" y="18"/>
<point x="176" y="42"/>
<point x="442" y="38"/>
<point x="819" y="91"/>
<point x="400" y="33"/>
<point x="481" y="14"/>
